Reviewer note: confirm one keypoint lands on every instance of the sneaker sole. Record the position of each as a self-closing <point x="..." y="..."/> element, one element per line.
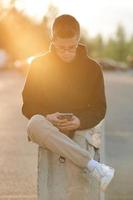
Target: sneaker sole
<point x="106" y="180"/>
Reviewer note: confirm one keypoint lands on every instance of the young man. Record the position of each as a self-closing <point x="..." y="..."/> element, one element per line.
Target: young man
<point x="65" y="80"/>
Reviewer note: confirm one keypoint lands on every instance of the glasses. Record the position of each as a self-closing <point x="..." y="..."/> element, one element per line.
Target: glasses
<point x="61" y="48"/>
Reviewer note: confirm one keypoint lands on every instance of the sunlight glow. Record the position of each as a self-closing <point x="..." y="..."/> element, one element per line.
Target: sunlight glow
<point x="97" y="16"/>
<point x="35" y="9"/>
<point x="30" y="59"/>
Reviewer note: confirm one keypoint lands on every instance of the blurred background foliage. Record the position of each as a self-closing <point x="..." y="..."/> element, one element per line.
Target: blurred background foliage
<point x="22" y="37"/>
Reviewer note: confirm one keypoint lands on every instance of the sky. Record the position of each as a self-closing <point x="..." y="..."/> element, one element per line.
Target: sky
<point x="97" y="16"/>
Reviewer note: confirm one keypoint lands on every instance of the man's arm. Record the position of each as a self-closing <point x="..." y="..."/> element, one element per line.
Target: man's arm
<point x="97" y="109"/>
<point x="95" y="112"/>
<point x="31" y="92"/>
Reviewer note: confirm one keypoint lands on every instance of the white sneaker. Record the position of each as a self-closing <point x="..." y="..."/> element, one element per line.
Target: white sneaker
<point x="104" y="174"/>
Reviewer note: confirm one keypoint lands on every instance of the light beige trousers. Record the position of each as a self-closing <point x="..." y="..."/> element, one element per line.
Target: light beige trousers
<point x="57" y="181"/>
<point x="42" y="132"/>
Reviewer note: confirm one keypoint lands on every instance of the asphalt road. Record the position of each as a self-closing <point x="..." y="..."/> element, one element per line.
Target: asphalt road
<point x="119" y="133"/>
<point x="18" y="157"/>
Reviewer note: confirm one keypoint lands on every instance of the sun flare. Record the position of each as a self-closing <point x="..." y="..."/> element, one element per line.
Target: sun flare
<point x="35" y="9"/>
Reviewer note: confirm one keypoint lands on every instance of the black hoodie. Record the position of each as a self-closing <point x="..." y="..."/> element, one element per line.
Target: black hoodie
<point x="53" y="85"/>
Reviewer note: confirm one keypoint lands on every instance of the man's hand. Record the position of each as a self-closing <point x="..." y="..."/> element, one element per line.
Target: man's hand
<point x="70" y="125"/>
<point x="63" y="124"/>
<point x="53" y="118"/>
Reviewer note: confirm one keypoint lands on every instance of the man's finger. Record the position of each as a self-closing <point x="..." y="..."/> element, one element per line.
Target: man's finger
<point x="67" y="128"/>
<point x="63" y="120"/>
<point x="66" y="124"/>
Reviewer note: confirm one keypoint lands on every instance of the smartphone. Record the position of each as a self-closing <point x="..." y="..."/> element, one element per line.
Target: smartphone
<point x="67" y="116"/>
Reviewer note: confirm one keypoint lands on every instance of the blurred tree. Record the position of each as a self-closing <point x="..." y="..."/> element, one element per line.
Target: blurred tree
<point x="116" y="47"/>
<point x="110" y="49"/>
<point x="22" y="37"/>
<point x="48" y="18"/>
<point x="98" y="46"/>
<point x="130" y="53"/>
<point x="130" y="43"/>
<point x="85" y="39"/>
<point x="121" y="44"/>
<point x="51" y="14"/>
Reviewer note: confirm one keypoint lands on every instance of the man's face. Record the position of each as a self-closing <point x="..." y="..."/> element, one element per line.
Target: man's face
<point x="66" y="47"/>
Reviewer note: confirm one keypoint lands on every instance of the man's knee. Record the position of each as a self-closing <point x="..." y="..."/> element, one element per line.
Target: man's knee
<point x="37" y="123"/>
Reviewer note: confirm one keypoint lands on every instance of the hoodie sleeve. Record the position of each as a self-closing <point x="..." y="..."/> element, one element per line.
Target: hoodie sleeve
<point x="31" y="92"/>
<point x="97" y="109"/>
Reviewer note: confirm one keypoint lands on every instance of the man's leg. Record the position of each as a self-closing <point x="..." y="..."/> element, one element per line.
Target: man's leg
<point x="44" y="133"/>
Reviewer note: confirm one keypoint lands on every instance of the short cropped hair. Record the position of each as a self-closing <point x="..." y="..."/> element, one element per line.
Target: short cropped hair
<point x="65" y="26"/>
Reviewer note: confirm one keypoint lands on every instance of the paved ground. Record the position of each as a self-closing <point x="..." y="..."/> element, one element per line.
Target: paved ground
<point x="119" y="133"/>
<point x="18" y="157"/>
